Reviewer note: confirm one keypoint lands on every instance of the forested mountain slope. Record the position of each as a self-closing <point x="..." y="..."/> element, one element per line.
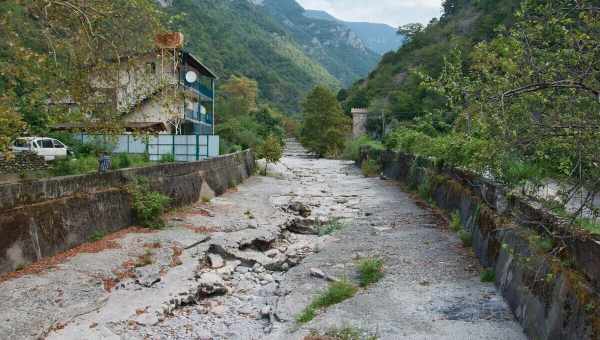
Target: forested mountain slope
<point x="380" y="38"/>
<point x="330" y="43"/>
<point x="464" y="23"/>
<point x="239" y="37"/>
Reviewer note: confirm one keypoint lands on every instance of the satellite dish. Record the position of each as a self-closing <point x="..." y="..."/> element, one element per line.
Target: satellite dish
<point x="191" y="77"/>
<point x="202" y="110"/>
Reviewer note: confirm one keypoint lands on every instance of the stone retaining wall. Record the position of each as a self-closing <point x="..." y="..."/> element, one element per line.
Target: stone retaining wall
<point x="42" y="218"/>
<point x="21" y="163"/>
<point x="554" y="296"/>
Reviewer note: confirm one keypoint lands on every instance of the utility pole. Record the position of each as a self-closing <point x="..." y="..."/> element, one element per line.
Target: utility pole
<point x="382" y="125"/>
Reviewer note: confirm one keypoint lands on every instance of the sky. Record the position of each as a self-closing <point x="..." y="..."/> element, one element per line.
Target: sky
<point x="392" y="12"/>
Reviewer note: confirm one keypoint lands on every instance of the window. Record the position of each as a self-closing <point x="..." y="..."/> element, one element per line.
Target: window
<point x="47" y="144"/>
<point x="57" y="144"/>
<point x="21" y="143"/>
<point x="151" y="68"/>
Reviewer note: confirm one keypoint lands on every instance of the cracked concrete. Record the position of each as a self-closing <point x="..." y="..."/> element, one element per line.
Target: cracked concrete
<point x="229" y="269"/>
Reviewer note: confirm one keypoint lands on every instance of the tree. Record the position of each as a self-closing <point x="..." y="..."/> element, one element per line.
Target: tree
<point x="325" y="127"/>
<point x="49" y="49"/>
<point x="271" y="150"/>
<point x="241" y="94"/>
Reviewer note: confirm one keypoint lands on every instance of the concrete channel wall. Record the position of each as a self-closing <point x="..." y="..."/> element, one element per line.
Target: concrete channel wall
<point x="554" y="295"/>
<point x="42" y="218"/>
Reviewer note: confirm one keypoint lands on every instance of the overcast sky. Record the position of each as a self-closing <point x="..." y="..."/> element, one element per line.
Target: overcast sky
<point x="391" y="12"/>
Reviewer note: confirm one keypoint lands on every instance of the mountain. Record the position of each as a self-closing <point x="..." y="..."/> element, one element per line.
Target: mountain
<point x="380" y="38"/>
<point x="273" y="42"/>
<point x="239" y="37"/>
<point x="331" y="43"/>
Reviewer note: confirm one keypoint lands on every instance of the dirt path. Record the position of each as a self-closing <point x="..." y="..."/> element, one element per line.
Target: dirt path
<point x="231" y="269"/>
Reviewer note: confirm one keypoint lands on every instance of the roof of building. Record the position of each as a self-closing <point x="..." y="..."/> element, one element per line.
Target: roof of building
<point x="195" y="62"/>
<point x="359" y="110"/>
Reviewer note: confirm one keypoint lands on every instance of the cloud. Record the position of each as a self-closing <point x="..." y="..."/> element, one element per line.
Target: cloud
<point x="391" y="12"/>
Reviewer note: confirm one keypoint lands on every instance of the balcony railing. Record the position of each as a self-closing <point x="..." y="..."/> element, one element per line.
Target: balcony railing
<point x="198" y="87"/>
<point x="197" y="116"/>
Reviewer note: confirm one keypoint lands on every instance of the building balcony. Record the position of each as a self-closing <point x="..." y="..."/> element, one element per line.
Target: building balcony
<point x="197" y="117"/>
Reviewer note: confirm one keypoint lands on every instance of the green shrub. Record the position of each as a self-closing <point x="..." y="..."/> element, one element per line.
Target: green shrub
<point x="168" y="158"/>
<point x="371" y="271"/>
<point x="370" y="168"/>
<point x="97" y="235"/>
<point x="466" y="238"/>
<point x="455" y="222"/>
<point x="424" y="189"/>
<point x="122" y="161"/>
<point x="589" y="224"/>
<point x="352" y="147"/>
<point x="488" y="275"/>
<point x="148" y="205"/>
<point x="335" y="293"/>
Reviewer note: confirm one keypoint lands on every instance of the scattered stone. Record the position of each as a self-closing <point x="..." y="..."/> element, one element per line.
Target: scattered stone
<point x="299" y="209"/>
<point x="242" y="269"/>
<point x="147" y="276"/>
<point x="302" y="226"/>
<point x="272" y="253"/>
<point x="210" y="284"/>
<point x="315" y="272"/>
<point x="265" y="312"/>
<point x="216" y="261"/>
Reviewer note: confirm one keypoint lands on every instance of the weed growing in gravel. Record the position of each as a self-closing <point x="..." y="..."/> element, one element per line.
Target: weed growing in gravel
<point x="455" y="223"/>
<point x="371" y="271"/>
<point x="466" y="238"/>
<point x="335" y="293"/>
<point x="347" y="333"/>
<point x="488" y="275"/>
<point x="249" y="214"/>
<point x="206" y="199"/>
<point x="331" y="227"/>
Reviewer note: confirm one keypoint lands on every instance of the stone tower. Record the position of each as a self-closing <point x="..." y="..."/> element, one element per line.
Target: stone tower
<point x="359" y="122"/>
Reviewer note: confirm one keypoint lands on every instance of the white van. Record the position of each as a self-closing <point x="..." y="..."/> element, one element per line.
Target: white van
<point x="49" y="148"/>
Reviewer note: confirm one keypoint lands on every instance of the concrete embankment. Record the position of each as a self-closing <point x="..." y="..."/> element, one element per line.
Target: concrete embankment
<point x="552" y="292"/>
<point x="42" y="218"/>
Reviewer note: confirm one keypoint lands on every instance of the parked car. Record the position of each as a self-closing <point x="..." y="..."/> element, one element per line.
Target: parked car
<point x="49" y="148"/>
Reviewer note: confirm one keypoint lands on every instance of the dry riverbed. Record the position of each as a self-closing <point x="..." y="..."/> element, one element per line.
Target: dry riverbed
<point x="246" y="264"/>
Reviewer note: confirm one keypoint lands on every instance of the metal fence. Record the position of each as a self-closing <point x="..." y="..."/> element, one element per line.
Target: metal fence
<point x="185" y="148"/>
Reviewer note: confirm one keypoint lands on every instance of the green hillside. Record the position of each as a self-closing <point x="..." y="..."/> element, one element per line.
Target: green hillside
<point x="463" y="24"/>
<point x="237" y="37"/>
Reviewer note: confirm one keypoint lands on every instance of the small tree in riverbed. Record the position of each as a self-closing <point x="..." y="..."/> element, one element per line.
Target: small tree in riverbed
<point x="271" y="150"/>
<point x="325" y="127"/>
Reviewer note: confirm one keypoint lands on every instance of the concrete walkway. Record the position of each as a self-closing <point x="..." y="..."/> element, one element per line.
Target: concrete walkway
<point x="233" y="269"/>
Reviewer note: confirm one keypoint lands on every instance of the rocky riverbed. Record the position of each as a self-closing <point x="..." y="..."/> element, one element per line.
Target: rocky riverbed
<point x="245" y="264"/>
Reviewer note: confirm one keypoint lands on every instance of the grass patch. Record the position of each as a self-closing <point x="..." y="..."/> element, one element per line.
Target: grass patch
<point x="593" y="226"/>
<point x="205" y="199"/>
<point x="488" y="275"/>
<point x="371" y="271"/>
<point x="455" y="223"/>
<point x="370" y="168"/>
<point x="466" y="238"/>
<point x="331" y="226"/>
<point x="335" y="293"/>
<point x="346" y="333"/>
<point x="97" y="235"/>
